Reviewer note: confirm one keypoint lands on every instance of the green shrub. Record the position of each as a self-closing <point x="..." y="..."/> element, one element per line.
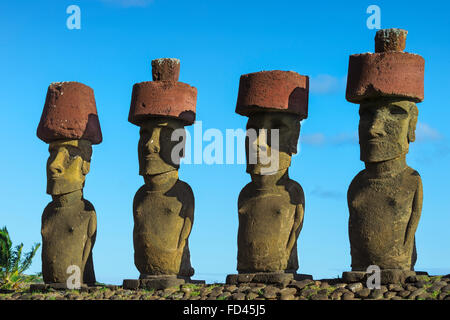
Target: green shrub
<point x="12" y="265"/>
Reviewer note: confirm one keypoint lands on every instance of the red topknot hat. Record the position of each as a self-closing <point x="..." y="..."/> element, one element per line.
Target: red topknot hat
<point x="164" y="96"/>
<point x="284" y="91"/>
<point x="389" y="72"/>
<point x="69" y="113"/>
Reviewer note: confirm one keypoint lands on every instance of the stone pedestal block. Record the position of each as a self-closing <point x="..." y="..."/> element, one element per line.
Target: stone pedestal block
<point x="276" y="278"/>
<point x="388" y="276"/>
<point x="158" y="282"/>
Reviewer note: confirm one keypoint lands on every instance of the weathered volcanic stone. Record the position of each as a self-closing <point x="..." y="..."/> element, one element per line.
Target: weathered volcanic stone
<point x="271" y="206"/>
<point x="390" y="40"/>
<point x="155" y="282"/>
<point x="395" y="276"/>
<point x="69" y="123"/>
<point x="165" y="69"/>
<point x="285" y="91"/>
<point x="385" y="74"/>
<point x="387" y="276"/>
<point x="69" y="113"/>
<point x="385" y="199"/>
<point x="57" y="286"/>
<point x="279" y="278"/>
<point x="163" y="208"/>
<point x="163" y="97"/>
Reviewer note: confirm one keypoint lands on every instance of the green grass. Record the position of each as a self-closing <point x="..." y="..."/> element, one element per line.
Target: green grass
<point x="214" y="285"/>
<point x="435" y="294"/>
<point x="424" y="278"/>
<point x="191" y="286"/>
<point x="330" y="290"/>
<point x="149" y="291"/>
<point x="195" y="293"/>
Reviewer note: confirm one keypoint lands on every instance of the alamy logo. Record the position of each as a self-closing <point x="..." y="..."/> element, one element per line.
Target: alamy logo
<point x="74" y="20"/>
<point x="374" y="21"/>
<point x="263" y="147"/>
<point x="374" y="280"/>
<point x="74" y="280"/>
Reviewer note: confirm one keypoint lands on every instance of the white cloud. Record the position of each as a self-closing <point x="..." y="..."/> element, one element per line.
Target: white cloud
<point x="314" y="138"/>
<point x="426" y="133"/>
<point x="327" y="194"/>
<point x="128" y="3"/>
<point x="327" y="84"/>
<point x="344" y="138"/>
<point x="318" y="139"/>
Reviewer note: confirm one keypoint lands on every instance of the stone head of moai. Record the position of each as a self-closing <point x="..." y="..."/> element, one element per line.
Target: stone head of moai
<point x="162" y="108"/>
<point x="275" y="102"/>
<point x="271" y="207"/>
<point x="70" y="125"/>
<point x="385" y="199"/>
<point x="164" y="206"/>
<point x="387" y="85"/>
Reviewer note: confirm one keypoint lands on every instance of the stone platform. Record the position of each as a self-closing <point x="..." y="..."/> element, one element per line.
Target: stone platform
<point x="57" y="286"/>
<point x="158" y="282"/>
<point x="277" y="278"/>
<point x="387" y="276"/>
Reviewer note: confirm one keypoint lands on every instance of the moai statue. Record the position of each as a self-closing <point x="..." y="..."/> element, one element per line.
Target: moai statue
<point x="163" y="208"/>
<point x="271" y="207"/>
<point x="385" y="199"/>
<point x="70" y="125"/>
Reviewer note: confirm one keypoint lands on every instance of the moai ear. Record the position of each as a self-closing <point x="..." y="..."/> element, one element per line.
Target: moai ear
<point x="85" y="167"/>
<point x="293" y="146"/>
<point x="293" y="141"/>
<point x="414" y="111"/>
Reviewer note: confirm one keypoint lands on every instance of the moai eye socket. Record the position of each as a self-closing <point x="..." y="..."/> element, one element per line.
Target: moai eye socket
<point x="280" y="125"/>
<point x="73" y="152"/>
<point x="397" y="111"/>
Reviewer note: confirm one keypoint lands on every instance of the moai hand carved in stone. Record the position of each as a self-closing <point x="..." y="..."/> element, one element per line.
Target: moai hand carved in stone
<point x="385" y="199"/>
<point x="70" y="125"/>
<point x="271" y="207"/>
<point x="163" y="207"/>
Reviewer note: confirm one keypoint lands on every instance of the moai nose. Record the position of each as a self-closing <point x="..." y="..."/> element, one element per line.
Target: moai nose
<point x="154" y="148"/>
<point x="56" y="167"/>
<point x="258" y="143"/>
<point x="377" y="127"/>
<point x="153" y="143"/>
<point x="261" y="140"/>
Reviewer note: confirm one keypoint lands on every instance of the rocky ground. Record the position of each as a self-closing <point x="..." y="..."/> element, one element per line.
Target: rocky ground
<point x="415" y="288"/>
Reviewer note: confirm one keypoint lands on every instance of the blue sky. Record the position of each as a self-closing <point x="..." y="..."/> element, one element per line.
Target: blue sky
<point x="216" y="41"/>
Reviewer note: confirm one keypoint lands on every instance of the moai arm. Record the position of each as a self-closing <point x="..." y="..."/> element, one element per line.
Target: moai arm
<point x="298" y="220"/>
<point x="91" y="236"/>
<point x="188" y="218"/>
<point x="415" y="212"/>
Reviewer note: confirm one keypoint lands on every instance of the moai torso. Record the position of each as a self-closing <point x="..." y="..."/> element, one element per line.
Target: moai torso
<point x="162" y="224"/>
<point x="68" y="235"/>
<point x="269" y="224"/>
<point x="384" y="212"/>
